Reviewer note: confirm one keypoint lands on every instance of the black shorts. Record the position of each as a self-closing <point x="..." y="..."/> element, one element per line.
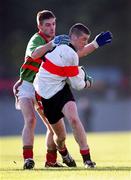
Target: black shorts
<point x="53" y="106"/>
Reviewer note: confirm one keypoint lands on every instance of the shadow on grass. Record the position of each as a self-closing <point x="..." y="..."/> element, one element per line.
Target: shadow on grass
<point x="109" y="168"/>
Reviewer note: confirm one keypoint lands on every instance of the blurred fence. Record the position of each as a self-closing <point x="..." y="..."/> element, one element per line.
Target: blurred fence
<point x="103" y="115"/>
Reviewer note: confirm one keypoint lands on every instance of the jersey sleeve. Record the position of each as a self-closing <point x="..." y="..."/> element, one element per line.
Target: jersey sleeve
<point x="77" y="82"/>
<point x="34" y="42"/>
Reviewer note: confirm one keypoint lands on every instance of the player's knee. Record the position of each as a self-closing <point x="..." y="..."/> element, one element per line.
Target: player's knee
<point x="74" y="120"/>
<point x="60" y="139"/>
<point x="30" y="122"/>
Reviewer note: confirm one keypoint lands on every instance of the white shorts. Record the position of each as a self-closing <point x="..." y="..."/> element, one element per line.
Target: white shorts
<point x="25" y="90"/>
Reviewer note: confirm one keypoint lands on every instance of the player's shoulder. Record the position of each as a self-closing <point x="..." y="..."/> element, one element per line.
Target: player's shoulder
<point x="36" y="37"/>
<point x="68" y="49"/>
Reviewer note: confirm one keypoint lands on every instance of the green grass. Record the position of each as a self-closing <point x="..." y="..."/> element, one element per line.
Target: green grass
<point x="111" y="152"/>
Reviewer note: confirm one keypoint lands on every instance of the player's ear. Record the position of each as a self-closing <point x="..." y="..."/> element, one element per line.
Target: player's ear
<point x="39" y="26"/>
<point x="73" y="37"/>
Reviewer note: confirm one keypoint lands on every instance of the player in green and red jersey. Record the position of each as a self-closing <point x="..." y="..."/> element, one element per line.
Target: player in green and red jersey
<point x="24" y="91"/>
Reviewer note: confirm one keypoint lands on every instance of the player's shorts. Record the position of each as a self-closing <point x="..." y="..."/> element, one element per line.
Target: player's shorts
<point x="53" y="106"/>
<point x="25" y="90"/>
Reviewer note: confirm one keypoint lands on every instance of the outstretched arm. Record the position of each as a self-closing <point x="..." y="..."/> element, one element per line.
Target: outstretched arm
<point x="89" y="48"/>
<point x="100" y="40"/>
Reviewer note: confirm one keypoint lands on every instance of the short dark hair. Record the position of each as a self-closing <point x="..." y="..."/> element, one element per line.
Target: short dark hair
<point x="78" y="29"/>
<point x="43" y="15"/>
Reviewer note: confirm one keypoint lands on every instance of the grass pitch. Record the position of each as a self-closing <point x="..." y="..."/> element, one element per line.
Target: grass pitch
<point x="110" y="151"/>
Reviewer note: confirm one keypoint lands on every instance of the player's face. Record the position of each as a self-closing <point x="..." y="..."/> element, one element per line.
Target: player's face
<point x="81" y="41"/>
<point x="48" y="27"/>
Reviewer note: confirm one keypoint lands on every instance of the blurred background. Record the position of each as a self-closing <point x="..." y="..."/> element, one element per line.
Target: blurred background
<point x="104" y="107"/>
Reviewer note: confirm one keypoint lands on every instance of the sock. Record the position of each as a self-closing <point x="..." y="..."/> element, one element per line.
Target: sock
<point x="85" y="155"/>
<point x="51" y="156"/>
<point x="63" y="151"/>
<point x="27" y="152"/>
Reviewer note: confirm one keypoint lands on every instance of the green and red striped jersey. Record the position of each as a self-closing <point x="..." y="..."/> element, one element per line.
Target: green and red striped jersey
<point x="31" y="66"/>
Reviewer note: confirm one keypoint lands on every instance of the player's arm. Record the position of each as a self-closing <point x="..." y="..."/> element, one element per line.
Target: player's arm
<point x="16" y="85"/>
<point x="42" y="49"/>
<point x="80" y="81"/>
<point x="100" y="40"/>
<point x="89" y="48"/>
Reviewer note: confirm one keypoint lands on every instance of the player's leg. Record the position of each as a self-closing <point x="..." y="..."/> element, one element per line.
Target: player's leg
<point x="59" y="138"/>
<point x="27" y="109"/>
<point x="71" y="113"/>
<point x="51" y="154"/>
<point x="52" y="110"/>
